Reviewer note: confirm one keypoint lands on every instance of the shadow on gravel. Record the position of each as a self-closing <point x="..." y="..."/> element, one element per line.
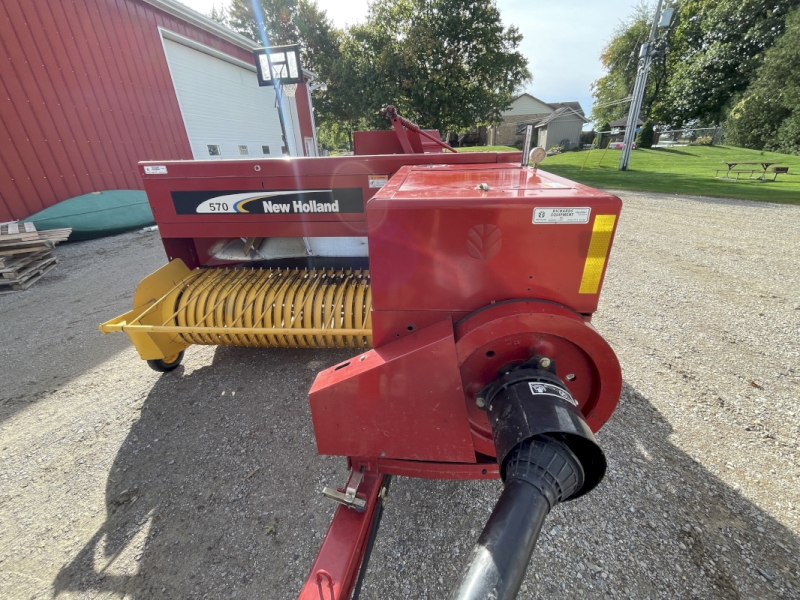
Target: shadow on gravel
<point x="48" y="333"/>
<point x="215" y="493"/>
<point x="213" y="483"/>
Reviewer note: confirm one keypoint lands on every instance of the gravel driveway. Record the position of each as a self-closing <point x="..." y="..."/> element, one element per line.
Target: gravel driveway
<point x="204" y="483"/>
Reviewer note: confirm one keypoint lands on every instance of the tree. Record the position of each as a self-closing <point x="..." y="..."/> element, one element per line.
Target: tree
<point x="766" y="117"/>
<point x="620" y="59"/>
<point x="446" y="64"/>
<point x="645" y="137"/>
<point x="720" y="46"/>
<point x="703" y="63"/>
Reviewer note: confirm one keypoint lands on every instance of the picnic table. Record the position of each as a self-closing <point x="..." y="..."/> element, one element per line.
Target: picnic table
<point x="732" y="169"/>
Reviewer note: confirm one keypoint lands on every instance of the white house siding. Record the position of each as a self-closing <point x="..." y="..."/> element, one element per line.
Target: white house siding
<point x="525" y="109"/>
<point x="562" y="128"/>
<point x="527" y="105"/>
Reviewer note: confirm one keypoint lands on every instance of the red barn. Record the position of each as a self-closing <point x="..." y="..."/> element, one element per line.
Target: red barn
<point x="90" y="87"/>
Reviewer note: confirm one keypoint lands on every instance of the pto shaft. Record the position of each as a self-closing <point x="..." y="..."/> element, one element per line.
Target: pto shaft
<point x="540" y="472"/>
<point x="547" y="454"/>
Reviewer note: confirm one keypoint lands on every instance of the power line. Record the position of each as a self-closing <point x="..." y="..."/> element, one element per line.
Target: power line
<point x="623" y="101"/>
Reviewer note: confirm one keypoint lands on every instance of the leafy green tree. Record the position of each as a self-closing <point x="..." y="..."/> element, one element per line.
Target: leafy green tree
<point x="646" y="135"/>
<point x="723" y="48"/>
<point x="705" y="61"/>
<point x="289" y="22"/>
<point x="620" y="59"/>
<point x="767" y="116"/>
<point x="447" y="64"/>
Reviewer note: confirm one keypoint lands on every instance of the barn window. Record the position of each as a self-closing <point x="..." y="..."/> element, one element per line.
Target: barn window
<point x="243" y="151"/>
<point x="521" y="128"/>
<point x="265" y="149"/>
<point x="213" y="150"/>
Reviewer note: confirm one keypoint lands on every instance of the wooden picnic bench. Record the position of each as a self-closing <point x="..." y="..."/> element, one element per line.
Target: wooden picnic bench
<point x="732" y="170"/>
<point x="779" y="171"/>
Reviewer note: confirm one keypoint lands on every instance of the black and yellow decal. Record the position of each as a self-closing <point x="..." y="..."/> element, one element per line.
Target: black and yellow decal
<point x="339" y="200"/>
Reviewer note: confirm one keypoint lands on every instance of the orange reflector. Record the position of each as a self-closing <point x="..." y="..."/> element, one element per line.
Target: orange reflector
<point x="598" y="249"/>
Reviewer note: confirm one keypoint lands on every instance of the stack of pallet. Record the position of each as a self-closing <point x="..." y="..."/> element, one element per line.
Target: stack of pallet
<point x="26" y="254"/>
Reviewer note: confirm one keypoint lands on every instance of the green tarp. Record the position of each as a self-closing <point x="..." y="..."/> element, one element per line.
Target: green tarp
<point x="96" y="215"/>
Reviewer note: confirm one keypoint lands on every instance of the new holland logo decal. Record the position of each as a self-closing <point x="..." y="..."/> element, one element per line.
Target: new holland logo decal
<point x="341" y="200"/>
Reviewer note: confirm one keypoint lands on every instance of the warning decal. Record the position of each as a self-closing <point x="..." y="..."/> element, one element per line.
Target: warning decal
<point x="559" y="215"/>
<point x="378" y="181"/>
<point x="547" y="389"/>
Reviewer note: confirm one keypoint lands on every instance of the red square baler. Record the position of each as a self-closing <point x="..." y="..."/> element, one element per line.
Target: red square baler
<point x="465" y="285"/>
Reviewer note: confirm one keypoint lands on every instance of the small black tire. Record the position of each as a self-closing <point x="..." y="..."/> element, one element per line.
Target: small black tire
<point x="165" y="365"/>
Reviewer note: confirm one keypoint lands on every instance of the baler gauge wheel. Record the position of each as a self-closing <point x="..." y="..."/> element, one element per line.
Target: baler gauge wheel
<point x="165" y="365"/>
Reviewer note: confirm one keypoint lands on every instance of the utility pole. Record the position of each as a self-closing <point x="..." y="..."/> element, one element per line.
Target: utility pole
<point x="645" y="58"/>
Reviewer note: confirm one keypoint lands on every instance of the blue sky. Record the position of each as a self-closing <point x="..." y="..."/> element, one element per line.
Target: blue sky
<point x="562" y="39"/>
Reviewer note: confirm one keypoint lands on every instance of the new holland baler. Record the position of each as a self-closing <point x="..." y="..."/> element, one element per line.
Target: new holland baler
<point x="465" y="285"/>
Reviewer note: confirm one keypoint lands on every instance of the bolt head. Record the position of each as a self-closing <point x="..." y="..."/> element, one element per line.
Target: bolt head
<point x="544" y="363"/>
<point x="480" y="402"/>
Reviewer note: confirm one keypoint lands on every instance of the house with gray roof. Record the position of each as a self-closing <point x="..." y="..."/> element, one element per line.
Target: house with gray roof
<point x="561" y="128"/>
<point x="551" y="120"/>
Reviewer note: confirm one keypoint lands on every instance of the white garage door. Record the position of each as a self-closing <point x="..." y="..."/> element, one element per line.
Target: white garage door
<point x="226" y="113"/>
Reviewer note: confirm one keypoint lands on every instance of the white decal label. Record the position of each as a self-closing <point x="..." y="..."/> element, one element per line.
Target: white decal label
<point x="155" y="170"/>
<point x="546" y="389"/>
<point x="378" y="181"/>
<point x="561" y="215"/>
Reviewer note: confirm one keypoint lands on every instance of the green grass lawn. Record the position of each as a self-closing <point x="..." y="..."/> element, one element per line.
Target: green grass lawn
<point x="681" y="170"/>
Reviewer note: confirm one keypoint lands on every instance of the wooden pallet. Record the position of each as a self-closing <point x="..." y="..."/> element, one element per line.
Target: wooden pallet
<point x="55" y="235"/>
<point x="19" y="271"/>
<point x="11" y="264"/>
<point x="26" y="232"/>
<point x="14" y="247"/>
<point x="30" y="276"/>
<point x="15" y="230"/>
<point x="25" y="254"/>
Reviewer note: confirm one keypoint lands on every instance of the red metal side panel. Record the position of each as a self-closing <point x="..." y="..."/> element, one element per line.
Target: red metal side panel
<point x="403" y="400"/>
<point x="85" y="94"/>
<point x="386" y="142"/>
<point x="460" y="237"/>
<point x="192" y="230"/>
<point x="23" y="53"/>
